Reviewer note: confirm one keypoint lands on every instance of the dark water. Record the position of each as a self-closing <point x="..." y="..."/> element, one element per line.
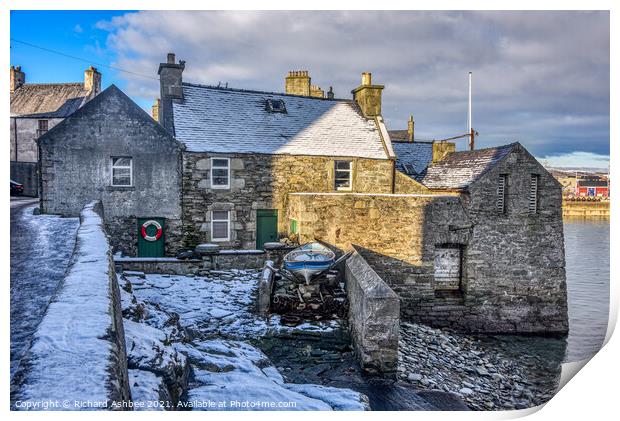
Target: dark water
<point x="587" y="280"/>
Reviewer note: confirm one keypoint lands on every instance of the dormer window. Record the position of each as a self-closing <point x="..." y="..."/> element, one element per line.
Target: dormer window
<point x="276" y="106"/>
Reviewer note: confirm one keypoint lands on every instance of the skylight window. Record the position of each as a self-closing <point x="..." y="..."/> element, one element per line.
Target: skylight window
<point x="276" y="106"/>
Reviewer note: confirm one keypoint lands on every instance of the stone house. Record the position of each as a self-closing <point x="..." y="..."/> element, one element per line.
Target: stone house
<point x="36" y="108"/>
<point x="113" y="151"/>
<point x="245" y="151"/>
<point x="482" y="250"/>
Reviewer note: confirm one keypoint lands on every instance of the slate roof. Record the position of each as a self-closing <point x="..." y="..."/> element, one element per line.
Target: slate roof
<point x="110" y="101"/>
<point x="592" y="183"/>
<point x="412" y="158"/>
<point x="47" y="100"/>
<point x="458" y="170"/>
<point x="213" y="119"/>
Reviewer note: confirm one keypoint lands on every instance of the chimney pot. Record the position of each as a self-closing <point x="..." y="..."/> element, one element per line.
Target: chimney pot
<point x="366" y="78"/>
<point x="410" y="127"/>
<point x="171" y="58"/>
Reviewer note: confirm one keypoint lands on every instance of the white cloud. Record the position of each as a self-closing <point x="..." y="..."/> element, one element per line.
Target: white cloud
<point x="539" y="77"/>
<point x="78" y="29"/>
<point x="577" y="160"/>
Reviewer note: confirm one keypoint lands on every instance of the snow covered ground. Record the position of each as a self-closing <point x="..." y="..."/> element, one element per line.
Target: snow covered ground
<point x="208" y="320"/>
<point x="41" y="246"/>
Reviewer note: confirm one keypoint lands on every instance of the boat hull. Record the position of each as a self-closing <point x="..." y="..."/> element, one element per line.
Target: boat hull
<point x="308" y="260"/>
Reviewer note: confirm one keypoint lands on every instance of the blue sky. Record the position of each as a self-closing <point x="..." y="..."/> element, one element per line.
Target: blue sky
<point x="541" y="78"/>
<point x="70" y="32"/>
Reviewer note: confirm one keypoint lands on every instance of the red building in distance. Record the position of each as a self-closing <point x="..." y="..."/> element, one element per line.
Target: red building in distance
<point x="592" y="187"/>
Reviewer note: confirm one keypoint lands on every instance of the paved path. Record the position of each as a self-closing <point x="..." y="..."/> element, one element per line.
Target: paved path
<point x="40" y="251"/>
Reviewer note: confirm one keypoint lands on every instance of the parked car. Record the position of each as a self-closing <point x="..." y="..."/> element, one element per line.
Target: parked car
<point x="16" y="188"/>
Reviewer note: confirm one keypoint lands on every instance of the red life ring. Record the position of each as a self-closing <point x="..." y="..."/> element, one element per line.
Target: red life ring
<point x="150" y="237"/>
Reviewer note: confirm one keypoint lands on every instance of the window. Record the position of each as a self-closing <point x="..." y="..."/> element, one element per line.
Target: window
<point x="122" y="171"/>
<point x="276" y="106"/>
<point x="220" y="173"/>
<point x="448" y="267"/>
<point x="501" y="193"/>
<point x="42" y="127"/>
<point x="220" y="225"/>
<point x="343" y="172"/>
<point x="533" y="202"/>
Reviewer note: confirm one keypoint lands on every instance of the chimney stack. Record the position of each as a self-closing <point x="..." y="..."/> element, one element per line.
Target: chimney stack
<point x="155" y="109"/>
<point x="92" y="81"/>
<point x="410" y="127"/>
<point x="18" y="78"/>
<point x="170" y="88"/>
<point x="441" y="149"/>
<point x="297" y="83"/>
<point x="368" y="96"/>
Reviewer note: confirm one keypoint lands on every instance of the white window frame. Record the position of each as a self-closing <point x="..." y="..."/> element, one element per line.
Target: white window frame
<point x="350" y="170"/>
<point x="112" y="167"/>
<point x="227" y="220"/>
<point x="227" y="186"/>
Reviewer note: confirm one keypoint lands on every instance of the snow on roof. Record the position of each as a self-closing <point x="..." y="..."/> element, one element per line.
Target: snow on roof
<point x="412" y="158"/>
<point x="48" y="100"/>
<point x="212" y="119"/>
<point x="458" y="170"/>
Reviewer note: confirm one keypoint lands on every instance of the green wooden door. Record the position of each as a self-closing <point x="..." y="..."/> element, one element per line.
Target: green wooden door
<point x="266" y="226"/>
<point x="151" y="233"/>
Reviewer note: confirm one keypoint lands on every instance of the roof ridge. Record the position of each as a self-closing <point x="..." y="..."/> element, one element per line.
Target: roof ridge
<point x="53" y="84"/>
<point x="508" y="145"/>
<point x="254" y="91"/>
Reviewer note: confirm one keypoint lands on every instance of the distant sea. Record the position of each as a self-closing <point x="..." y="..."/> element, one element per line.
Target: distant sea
<point x="587" y="279"/>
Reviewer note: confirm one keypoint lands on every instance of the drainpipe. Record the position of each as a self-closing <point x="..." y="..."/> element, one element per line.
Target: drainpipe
<point x="15" y="136"/>
<point x="393" y="176"/>
<point x="39" y="178"/>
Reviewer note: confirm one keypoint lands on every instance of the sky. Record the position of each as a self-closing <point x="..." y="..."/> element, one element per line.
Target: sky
<point x="540" y="78"/>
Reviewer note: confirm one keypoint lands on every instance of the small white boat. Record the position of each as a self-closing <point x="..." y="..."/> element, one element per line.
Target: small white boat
<point x="308" y="260"/>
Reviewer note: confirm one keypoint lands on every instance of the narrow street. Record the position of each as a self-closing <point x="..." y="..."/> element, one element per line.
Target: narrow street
<point x="40" y="251"/>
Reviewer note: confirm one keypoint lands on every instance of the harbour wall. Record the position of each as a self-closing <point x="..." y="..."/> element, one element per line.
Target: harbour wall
<point x="585" y="209"/>
<point x="78" y="352"/>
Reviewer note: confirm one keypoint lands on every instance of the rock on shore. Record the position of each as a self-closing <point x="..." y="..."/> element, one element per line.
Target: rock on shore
<point x="486" y="380"/>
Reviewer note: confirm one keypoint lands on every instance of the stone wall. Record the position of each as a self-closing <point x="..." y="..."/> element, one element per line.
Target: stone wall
<point x="374" y="318"/>
<point x="263" y="182"/>
<point x="76" y="168"/>
<point x="78" y="351"/>
<point x="515" y="263"/>
<point x="511" y="266"/>
<point x="406" y="185"/>
<point x="23" y="132"/>
<point x="223" y="260"/>
<point x="581" y="209"/>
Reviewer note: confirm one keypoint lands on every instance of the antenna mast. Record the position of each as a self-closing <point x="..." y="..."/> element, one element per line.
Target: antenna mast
<point x="470" y="130"/>
<point x="469" y="107"/>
